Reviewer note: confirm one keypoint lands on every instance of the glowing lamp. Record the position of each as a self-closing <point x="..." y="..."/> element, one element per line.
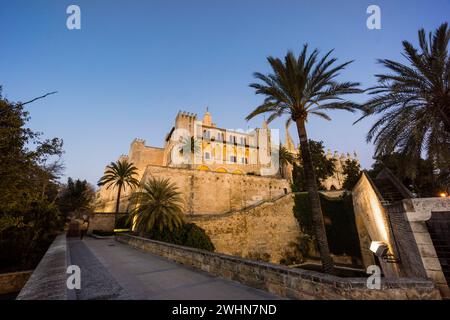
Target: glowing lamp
<point x="379" y="248"/>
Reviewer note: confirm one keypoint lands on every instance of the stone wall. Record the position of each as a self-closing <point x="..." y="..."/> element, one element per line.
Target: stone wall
<point x="439" y="229"/>
<point x="403" y="226"/>
<point x="48" y="281"/>
<point x="372" y="223"/>
<point x="408" y="250"/>
<point x="102" y="221"/>
<point x="268" y="228"/>
<point x="283" y="281"/>
<point x="418" y="212"/>
<point x="207" y="192"/>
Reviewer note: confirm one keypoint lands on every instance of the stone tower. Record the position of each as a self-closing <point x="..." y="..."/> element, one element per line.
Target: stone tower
<point x="186" y="120"/>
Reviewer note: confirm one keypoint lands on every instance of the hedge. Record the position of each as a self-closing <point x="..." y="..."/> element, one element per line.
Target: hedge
<point x="189" y="235"/>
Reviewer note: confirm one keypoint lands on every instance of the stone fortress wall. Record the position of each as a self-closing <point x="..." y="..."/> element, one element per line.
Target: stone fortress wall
<point x="206" y="192"/>
<point x="266" y="229"/>
<point x="336" y="181"/>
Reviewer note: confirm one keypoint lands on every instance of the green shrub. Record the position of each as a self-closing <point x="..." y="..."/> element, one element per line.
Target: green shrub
<point x="302" y="211"/>
<point x="189" y="235"/>
<point x="122" y="222"/>
<point x="102" y="233"/>
<point x="24" y="240"/>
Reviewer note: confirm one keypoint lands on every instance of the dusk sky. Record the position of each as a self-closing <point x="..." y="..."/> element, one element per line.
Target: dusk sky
<point x="134" y="64"/>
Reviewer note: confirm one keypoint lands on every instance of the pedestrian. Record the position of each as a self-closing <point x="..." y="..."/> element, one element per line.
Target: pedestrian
<point x="84" y="226"/>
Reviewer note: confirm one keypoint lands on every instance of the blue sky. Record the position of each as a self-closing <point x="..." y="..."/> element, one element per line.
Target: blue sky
<point x="134" y="64"/>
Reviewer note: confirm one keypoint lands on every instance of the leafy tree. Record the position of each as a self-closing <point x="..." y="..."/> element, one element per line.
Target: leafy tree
<point x="29" y="170"/>
<point x="119" y="175"/>
<point x="299" y="87"/>
<point x="352" y="172"/>
<point x="75" y="196"/>
<point x="157" y="206"/>
<point x="419" y="177"/>
<point x="26" y="174"/>
<point x="323" y="167"/>
<point x="413" y="101"/>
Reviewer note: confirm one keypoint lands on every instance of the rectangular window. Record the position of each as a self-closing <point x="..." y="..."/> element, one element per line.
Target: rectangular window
<point x="233" y="159"/>
<point x="207" y="156"/>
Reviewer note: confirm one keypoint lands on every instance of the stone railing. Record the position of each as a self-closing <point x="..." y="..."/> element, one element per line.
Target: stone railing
<point x="283" y="281"/>
<point x="48" y="281"/>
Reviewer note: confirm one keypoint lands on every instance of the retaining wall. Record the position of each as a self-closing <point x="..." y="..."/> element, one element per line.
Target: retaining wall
<point x="283" y="281"/>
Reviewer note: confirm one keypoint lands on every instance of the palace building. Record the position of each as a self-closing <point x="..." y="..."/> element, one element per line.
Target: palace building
<point x="201" y="157"/>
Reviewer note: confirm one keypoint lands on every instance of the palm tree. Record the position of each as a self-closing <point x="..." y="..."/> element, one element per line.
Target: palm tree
<point x="190" y="147"/>
<point x="158" y="205"/>
<point x="300" y="87"/>
<point x="119" y="174"/>
<point x="285" y="157"/>
<point x="413" y="100"/>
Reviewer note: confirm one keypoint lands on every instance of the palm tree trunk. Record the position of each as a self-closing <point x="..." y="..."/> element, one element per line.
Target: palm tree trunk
<point x="314" y="200"/>
<point x="118" y="198"/>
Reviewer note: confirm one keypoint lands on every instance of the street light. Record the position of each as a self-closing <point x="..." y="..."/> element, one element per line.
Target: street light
<point x="381" y="250"/>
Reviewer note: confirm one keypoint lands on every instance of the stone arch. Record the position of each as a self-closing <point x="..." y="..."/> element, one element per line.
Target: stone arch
<point x="222" y="169"/>
<point x="237" y="171"/>
<point x="203" y="168"/>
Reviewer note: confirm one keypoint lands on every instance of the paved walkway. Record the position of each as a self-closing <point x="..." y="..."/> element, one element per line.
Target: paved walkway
<point x="112" y="270"/>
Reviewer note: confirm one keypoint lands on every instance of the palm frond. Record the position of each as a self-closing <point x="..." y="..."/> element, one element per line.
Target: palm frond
<point x="297" y="84"/>
<point x="157" y="206"/>
<point x="412" y="101"/>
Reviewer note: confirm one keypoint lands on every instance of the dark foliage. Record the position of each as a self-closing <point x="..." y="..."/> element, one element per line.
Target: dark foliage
<point x="189" y="235"/>
<point x="102" y="233"/>
<point x="412" y="101"/>
<point x="352" y="172"/>
<point x="29" y="217"/>
<point x="323" y="167"/>
<point x="420" y="176"/>
<point x="341" y="229"/>
<point x="75" y="196"/>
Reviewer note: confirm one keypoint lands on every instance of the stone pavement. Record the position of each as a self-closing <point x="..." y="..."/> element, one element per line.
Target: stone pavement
<point x="112" y="270"/>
